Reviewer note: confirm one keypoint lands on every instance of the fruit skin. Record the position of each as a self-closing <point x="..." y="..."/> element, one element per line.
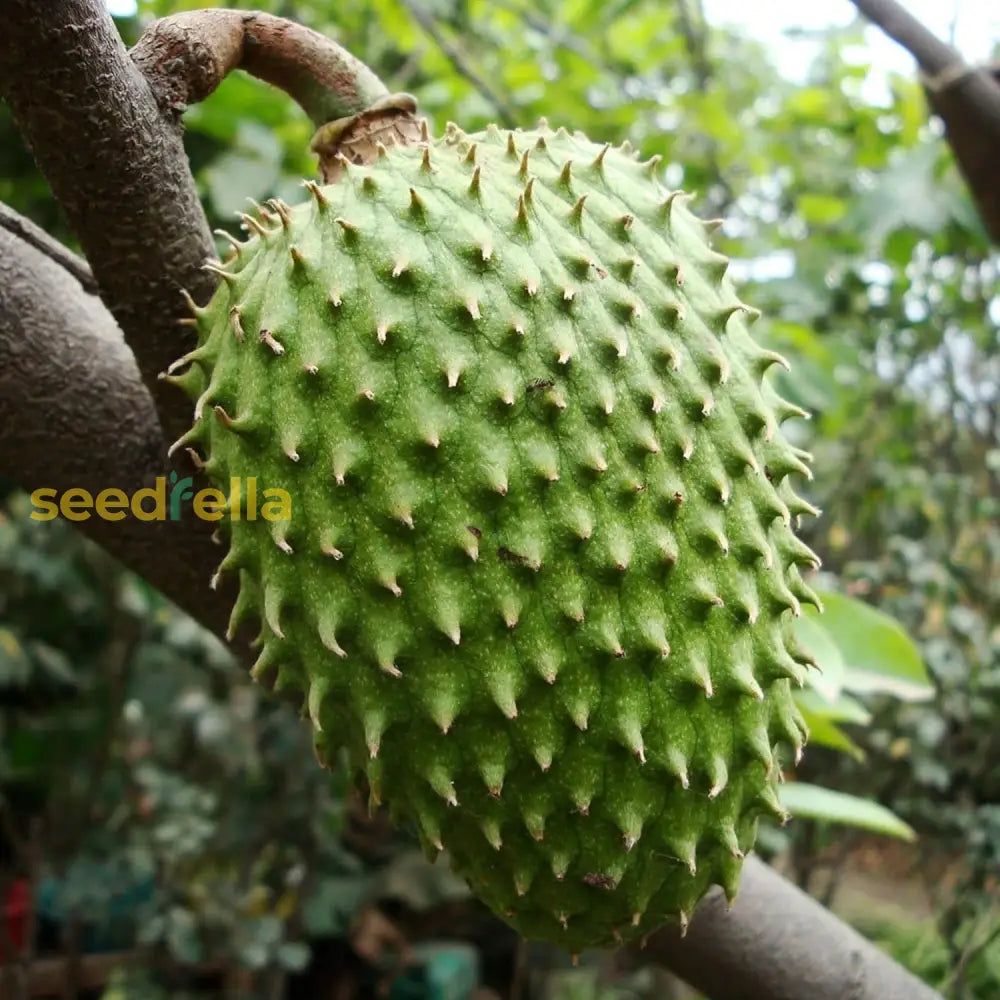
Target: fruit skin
<point x="540" y="565"/>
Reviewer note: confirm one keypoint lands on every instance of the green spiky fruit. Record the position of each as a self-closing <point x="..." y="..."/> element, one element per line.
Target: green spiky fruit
<point x="540" y="565"/>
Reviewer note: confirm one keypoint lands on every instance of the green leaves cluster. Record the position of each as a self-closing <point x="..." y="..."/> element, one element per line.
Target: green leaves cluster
<point x="858" y="651"/>
<point x="153" y="795"/>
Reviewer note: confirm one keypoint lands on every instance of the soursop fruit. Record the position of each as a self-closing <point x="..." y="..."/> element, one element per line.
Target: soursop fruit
<point x="540" y="565"/>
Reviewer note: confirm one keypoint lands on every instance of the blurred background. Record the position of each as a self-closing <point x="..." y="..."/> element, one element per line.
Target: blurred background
<point x="164" y="829"/>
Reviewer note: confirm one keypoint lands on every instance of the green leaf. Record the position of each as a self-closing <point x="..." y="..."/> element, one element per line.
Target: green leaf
<point x="294" y="955"/>
<point x="879" y="657"/>
<point x="811" y="102"/>
<point x="813" y="802"/>
<point x="330" y="906"/>
<point x="826" y="733"/>
<point x="182" y="936"/>
<point x="235" y="177"/>
<point x="53" y="662"/>
<point x="905" y="196"/>
<point x="250" y="170"/>
<point x="814" y="636"/>
<point x="15" y="667"/>
<point x="821" y="209"/>
<point x="844" y="709"/>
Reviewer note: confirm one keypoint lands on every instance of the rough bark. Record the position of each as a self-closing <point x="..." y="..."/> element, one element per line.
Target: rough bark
<point x="74" y="413"/>
<point x="117" y="166"/>
<point x="40" y="240"/>
<point x="777" y="943"/>
<point x="186" y="56"/>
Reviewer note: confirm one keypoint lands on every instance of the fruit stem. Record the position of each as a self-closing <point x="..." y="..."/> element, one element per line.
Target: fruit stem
<point x="186" y="56"/>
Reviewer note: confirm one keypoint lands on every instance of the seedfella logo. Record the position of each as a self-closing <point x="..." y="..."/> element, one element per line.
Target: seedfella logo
<point x="164" y="501"/>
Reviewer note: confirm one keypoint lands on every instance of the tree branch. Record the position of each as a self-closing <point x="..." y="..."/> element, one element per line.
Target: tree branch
<point x="778" y="943"/>
<point x="966" y="98"/>
<point x="933" y="56"/>
<point x="41" y="241"/>
<point x="186" y="56"/>
<point x="118" y="168"/>
<point x="74" y="413"/>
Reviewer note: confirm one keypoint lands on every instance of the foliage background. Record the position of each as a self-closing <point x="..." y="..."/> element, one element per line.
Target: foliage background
<point x="160" y="801"/>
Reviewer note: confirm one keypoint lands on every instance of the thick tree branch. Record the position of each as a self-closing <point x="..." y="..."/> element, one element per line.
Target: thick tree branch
<point x="74" y="413"/>
<point x="933" y="56"/>
<point x="40" y="240"/>
<point x="186" y="56"/>
<point x="118" y="168"/>
<point x="966" y="98"/>
<point x="777" y="943"/>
